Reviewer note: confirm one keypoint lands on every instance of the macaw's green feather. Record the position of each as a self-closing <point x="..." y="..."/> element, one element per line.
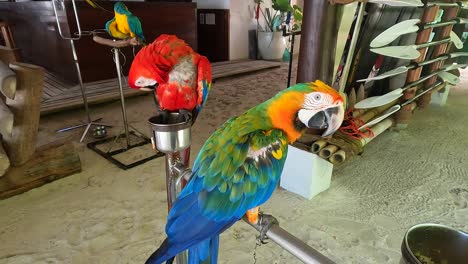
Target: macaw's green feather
<point x="236" y="192"/>
<point x="238" y="176"/>
<point x="223" y="187"/>
<point x="249" y="188"/>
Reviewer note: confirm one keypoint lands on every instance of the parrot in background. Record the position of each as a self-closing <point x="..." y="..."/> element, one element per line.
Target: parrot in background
<point x="124" y="25"/>
<point x="239" y="167"/>
<point x="181" y="77"/>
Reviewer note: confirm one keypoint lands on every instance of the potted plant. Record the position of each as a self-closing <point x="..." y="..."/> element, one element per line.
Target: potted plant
<point x="271" y="43"/>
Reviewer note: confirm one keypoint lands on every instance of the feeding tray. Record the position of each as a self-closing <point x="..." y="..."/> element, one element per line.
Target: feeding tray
<point x="434" y="244"/>
<point x="171" y="133"/>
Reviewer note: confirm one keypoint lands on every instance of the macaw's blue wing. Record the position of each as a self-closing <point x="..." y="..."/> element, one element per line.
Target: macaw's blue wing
<point x="237" y="169"/>
<point x="135" y="26"/>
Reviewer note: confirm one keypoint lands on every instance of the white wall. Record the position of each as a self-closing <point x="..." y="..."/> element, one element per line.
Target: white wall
<point x="242" y="20"/>
<point x="213" y="4"/>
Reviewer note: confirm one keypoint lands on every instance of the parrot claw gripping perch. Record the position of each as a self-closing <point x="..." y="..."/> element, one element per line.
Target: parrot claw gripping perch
<point x="265" y="221"/>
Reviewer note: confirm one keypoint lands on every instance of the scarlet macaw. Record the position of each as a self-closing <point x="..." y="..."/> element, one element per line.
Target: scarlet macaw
<point x="182" y="77"/>
<point x="239" y="166"/>
<point x="124" y="25"/>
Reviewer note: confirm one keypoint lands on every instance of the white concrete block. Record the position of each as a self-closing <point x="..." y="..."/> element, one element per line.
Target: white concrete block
<point x="305" y="174"/>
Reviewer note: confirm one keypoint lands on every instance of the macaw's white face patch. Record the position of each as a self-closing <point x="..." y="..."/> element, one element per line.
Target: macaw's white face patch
<point x="317" y="101"/>
<point x="145" y="82"/>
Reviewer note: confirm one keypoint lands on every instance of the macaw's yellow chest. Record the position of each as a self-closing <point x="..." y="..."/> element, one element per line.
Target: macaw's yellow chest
<point x="122" y="24"/>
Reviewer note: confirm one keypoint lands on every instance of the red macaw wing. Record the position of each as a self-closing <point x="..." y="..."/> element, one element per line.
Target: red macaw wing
<point x="203" y="83"/>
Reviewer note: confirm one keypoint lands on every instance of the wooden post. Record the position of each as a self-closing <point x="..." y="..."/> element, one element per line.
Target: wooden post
<point x="318" y="42"/>
<point x="441" y="33"/>
<point x="21" y="144"/>
<point x="404" y="115"/>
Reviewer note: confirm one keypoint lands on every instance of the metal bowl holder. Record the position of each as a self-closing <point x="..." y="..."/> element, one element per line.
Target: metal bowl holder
<point x="109" y="154"/>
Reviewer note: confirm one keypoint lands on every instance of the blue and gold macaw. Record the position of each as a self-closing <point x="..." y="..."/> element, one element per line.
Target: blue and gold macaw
<point x="239" y="167"/>
<point x="124" y="25"/>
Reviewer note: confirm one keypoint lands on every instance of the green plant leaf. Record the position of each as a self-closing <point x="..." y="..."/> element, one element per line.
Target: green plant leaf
<point x="281" y="5"/>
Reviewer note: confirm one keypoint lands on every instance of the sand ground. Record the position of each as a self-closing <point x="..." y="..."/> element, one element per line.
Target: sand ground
<point x="107" y="215"/>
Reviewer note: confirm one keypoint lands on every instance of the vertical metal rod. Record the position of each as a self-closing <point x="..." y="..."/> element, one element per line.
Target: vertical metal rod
<point x="352" y="47"/>
<point x="122" y="98"/>
<point x="293" y="36"/>
<point x="80" y="80"/>
<point x="174" y="187"/>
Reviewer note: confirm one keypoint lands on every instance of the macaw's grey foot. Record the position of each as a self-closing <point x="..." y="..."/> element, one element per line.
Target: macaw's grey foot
<point x="184" y="115"/>
<point x="266" y="222"/>
<point x="164" y="116"/>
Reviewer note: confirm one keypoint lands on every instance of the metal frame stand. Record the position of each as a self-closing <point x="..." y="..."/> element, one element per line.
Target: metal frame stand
<point x="173" y="139"/>
<point x="143" y="140"/>
<point x="89" y="122"/>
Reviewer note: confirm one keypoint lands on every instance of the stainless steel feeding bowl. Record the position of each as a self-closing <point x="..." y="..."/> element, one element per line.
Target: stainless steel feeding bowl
<point x="171" y="135"/>
<point x="434" y="243"/>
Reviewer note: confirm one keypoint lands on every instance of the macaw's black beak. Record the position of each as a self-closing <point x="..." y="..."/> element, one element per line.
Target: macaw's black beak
<point x="329" y="119"/>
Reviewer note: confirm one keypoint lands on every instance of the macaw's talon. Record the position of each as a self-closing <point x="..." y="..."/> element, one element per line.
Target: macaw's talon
<point x="266" y="222"/>
<point x="184" y="115"/>
<point x="252" y="215"/>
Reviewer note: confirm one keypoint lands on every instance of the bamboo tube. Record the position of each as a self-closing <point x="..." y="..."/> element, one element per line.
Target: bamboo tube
<point x="318" y="145"/>
<point x="21" y="144"/>
<point x="351" y="98"/>
<point x="378" y="129"/>
<point x="338" y="157"/>
<point x="327" y="151"/>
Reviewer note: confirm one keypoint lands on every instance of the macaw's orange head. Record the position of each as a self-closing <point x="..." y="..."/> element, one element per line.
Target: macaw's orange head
<point x="154" y="62"/>
<point x="307" y="105"/>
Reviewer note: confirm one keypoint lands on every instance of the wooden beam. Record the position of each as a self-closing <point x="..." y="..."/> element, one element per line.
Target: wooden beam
<point x="21" y="144"/>
<point x="49" y="163"/>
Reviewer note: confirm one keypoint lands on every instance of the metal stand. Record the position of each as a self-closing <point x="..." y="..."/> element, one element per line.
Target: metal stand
<point x="174" y="140"/>
<point x="292" y="35"/>
<point x="89" y="122"/>
<point x="143" y="140"/>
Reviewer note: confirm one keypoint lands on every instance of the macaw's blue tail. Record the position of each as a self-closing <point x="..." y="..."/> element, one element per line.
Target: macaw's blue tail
<point x="205" y="252"/>
<point x="161" y="254"/>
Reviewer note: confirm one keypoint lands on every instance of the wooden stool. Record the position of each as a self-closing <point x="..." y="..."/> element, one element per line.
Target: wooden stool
<point x="7" y="35"/>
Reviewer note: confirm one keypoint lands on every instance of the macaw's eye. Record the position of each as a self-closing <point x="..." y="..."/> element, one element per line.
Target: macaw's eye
<point x="317" y="97"/>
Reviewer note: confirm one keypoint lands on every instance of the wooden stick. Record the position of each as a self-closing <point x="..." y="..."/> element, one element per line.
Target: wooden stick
<point x="116" y="43"/>
<point x="21" y="144"/>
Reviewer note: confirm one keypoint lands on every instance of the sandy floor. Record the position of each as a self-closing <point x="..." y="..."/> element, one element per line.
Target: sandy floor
<point x="106" y="215"/>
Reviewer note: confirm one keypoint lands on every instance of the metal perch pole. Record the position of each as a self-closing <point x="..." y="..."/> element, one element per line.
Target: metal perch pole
<point x="174" y="138"/>
<point x="90" y="122"/>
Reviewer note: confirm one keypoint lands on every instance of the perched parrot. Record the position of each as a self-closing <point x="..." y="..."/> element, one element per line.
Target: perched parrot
<point x="181" y="77"/>
<point x="239" y="166"/>
<point x="124" y="25"/>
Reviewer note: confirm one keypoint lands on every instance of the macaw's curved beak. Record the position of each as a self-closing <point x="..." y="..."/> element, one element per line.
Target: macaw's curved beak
<point x="149" y="88"/>
<point x="329" y="119"/>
